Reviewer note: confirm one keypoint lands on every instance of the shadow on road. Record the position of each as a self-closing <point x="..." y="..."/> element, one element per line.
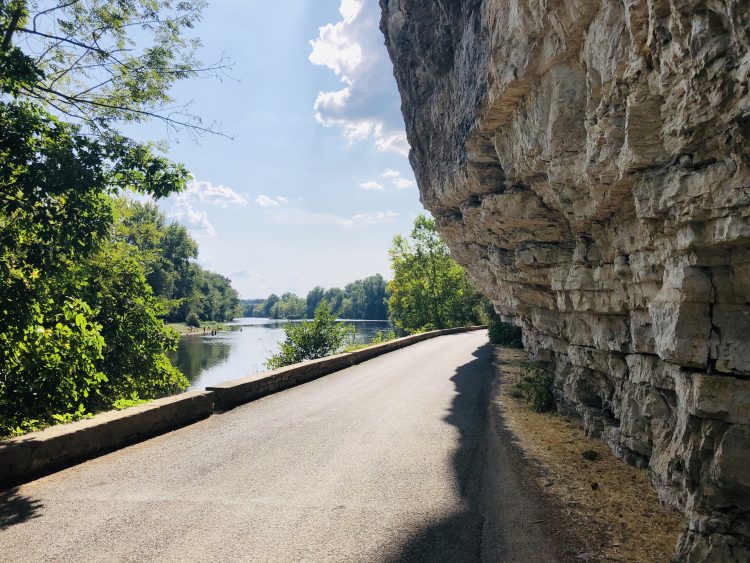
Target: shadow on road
<point x="499" y="519"/>
<point x="459" y="538"/>
<point x="16" y="508"/>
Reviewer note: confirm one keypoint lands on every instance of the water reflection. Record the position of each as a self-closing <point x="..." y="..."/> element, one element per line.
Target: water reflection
<point x="243" y="350"/>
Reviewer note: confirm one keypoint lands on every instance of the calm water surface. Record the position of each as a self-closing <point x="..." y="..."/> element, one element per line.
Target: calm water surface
<point x="242" y="350"/>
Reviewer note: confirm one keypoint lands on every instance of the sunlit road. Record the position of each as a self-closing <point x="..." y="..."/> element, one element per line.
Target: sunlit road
<point x="395" y="459"/>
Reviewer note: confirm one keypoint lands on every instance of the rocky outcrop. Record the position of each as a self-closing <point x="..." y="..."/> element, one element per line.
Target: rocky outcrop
<point x="588" y="162"/>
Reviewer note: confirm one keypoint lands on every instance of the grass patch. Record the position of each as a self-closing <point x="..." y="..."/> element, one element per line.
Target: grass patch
<point x="205" y="328"/>
<point x="612" y="507"/>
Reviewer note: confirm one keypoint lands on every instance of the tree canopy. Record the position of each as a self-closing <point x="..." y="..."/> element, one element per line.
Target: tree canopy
<point x="429" y="290"/>
<point x="86" y="280"/>
<point x="100" y="62"/>
<point x="167" y="253"/>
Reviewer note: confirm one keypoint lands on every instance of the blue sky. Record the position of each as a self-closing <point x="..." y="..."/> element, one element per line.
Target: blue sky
<point x="316" y="181"/>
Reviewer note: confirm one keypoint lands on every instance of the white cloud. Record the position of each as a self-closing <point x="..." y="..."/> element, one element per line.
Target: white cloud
<point x="368" y="106"/>
<point x="197" y="221"/>
<point x="396" y="180"/>
<point x="370" y="218"/>
<point x="248" y="274"/>
<point x="349" y="9"/>
<point x="266" y="201"/>
<point x="402" y="183"/>
<point x="371" y="185"/>
<point x="395" y="142"/>
<point x="185" y="206"/>
<point x="302" y="217"/>
<point x="205" y="192"/>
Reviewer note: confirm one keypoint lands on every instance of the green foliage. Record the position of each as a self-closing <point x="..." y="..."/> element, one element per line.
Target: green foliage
<point x="314" y="297"/>
<point x="289" y="306"/>
<point x="536" y="386"/>
<point x="166" y="251"/>
<point x="61" y="327"/>
<point x="81" y="59"/>
<point x="361" y="299"/>
<point x="364" y="299"/>
<point x="505" y="334"/>
<point x="429" y="289"/>
<point x="248" y="306"/>
<point x="132" y="327"/>
<point x="383" y="336"/>
<point x="309" y="340"/>
<point x="193" y="320"/>
<point x="80" y="328"/>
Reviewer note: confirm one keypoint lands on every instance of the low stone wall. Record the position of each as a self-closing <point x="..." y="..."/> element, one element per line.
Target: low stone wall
<point x="39" y="453"/>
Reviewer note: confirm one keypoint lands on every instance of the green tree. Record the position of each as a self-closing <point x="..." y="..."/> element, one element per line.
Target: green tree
<point x="79" y="327"/>
<point x="105" y="61"/>
<point x="56" y="215"/>
<point x="268" y="305"/>
<point x="309" y="340"/>
<point x="132" y="327"/>
<point x="365" y="299"/>
<point x="165" y="250"/>
<point x="429" y="289"/>
<point x="289" y="307"/>
<point x="335" y="297"/>
<point x="314" y="297"/>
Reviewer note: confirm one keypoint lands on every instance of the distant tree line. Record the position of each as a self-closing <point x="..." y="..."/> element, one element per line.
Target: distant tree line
<point x="361" y="299"/>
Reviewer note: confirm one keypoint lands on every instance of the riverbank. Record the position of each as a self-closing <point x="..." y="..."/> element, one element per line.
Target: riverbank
<point x="183" y="330"/>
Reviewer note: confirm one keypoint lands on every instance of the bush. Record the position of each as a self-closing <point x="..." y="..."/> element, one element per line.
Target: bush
<point x="193" y="320"/>
<point x="536" y="386"/>
<point x="381" y="336"/>
<point x="310" y="340"/>
<point x="505" y="334"/>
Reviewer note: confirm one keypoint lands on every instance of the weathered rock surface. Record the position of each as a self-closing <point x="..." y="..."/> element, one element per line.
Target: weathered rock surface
<point x="588" y="162"/>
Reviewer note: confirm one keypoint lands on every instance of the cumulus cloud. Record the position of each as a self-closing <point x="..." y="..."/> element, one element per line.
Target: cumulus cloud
<point x="396" y="180"/>
<point x="266" y="201"/>
<point x="197" y="221"/>
<point x="205" y="192"/>
<point x="368" y="105"/>
<point x="371" y="185"/>
<point x="402" y="183"/>
<point x="185" y="207"/>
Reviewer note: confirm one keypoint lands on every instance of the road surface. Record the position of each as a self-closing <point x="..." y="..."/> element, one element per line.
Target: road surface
<point x="395" y="459"/>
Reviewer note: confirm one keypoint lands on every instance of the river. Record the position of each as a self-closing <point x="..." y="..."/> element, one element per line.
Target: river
<point x="243" y="349"/>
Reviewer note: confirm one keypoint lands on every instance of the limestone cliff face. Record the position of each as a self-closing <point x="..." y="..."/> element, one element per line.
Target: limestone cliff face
<point x="588" y="162"/>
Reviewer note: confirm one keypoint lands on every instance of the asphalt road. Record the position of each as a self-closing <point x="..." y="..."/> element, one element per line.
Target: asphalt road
<point x="392" y="460"/>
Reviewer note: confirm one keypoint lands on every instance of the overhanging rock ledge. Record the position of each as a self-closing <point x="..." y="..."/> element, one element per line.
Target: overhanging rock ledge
<point x="589" y="164"/>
